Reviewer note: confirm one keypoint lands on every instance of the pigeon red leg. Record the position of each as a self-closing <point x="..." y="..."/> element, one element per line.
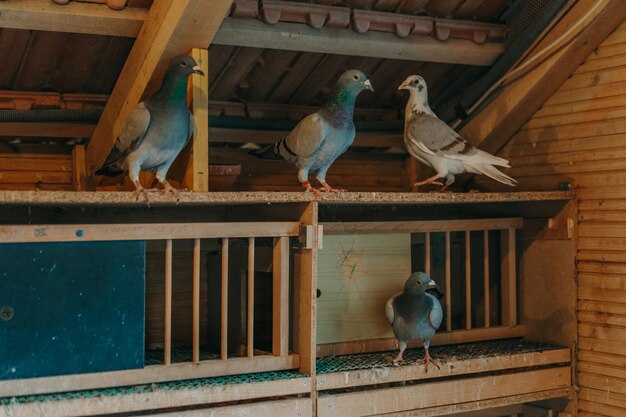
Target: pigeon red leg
<point x="427" y="359"/>
<point x="140" y="190"/>
<point x="399" y="357"/>
<point x="431" y="180"/>
<point x="308" y="187"/>
<point x="328" y="188"/>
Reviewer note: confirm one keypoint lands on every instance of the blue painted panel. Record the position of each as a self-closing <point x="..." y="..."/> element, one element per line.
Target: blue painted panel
<point x="71" y="307"/>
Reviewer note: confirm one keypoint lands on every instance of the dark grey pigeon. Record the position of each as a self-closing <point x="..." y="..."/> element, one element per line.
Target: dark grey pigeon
<point x="415" y="314"/>
<point x="321" y="137"/>
<point x="156" y="130"/>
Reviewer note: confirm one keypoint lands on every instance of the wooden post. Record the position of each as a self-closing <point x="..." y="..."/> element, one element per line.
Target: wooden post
<point x="224" y="329"/>
<point x="167" y="343"/>
<point x="509" y="278"/>
<point x="412" y="170"/>
<point x="427" y="253"/>
<point x="196" y="302"/>
<point x="250" y="321"/>
<point x="487" y="288"/>
<point x="79" y="168"/>
<point x="197" y="172"/>
<point x="280" y="315"/>
<point x="468" y="282"/>
<point x="447" y="268"/>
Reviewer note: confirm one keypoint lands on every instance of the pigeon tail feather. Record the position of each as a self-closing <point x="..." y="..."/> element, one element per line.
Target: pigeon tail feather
<point x="109" y="171"/>
<point x="491" y="172"/>
<point x="269" y="152"/>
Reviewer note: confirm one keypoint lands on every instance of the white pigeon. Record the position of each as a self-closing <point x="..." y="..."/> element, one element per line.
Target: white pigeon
<point x="432" y="142"/>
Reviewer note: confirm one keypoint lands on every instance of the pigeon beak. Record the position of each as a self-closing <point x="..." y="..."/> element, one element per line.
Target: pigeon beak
<point x="198" y="70"/>
<point x="403" y="86"/>
<point x="368" y="85"/>
<point x="432" y="283"/>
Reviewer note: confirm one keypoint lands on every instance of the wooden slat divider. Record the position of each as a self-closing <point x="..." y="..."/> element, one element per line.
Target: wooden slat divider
<point x="280" y="308"/>
<point x="427" y="253"/>
<point x="196" y="302"/>
<point x="224" y="313"/>
<point x="419" y="226"/>
<point x="468" y="281"/>
<point x="487" y="289"/>
<point x="143" y="231"/>
<point x="508" y="278"/>
<point x="250" y="319"/>
<point x="448" y="293"/>
<point x="167" y="330"/>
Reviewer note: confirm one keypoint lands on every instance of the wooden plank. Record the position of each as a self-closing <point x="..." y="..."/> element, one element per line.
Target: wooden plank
<point x="496" y="407"/>
<point x="486" y="281"/>
<point x="144" y="231"/>
<point x="508" y="277"/>
<point x="224" y="312"/>
<point x="448" y="284"/>
<point x="46" y="129"/>
<point x="170" y="28"/>
<point x="349" y="379"/>
<point x="342" y="228"/>
<point x="389" y="400"/>
<point x="250" y="303"/>
<point x="501" y="118"/>
<point x="197" y="174"/>
<point x="441" y="338"/>
<point x="79" y="170"/>
<point x="43" y="177"/>
<point x="73" y="17"/>
<point x="158" y="399"/>
<point x="196" y="301"/>
<point x="276" y="408"/>
<point x="167" y="320"/>
<point x="427" y="253"/>
<point x="607" y="397"/>
<point x="280" y="299"/>
<point x="299" y="37"/>
<point x="468" y="282"/>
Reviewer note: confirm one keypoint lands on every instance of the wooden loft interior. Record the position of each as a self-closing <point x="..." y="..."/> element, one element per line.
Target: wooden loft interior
<point x="252" y="299"/>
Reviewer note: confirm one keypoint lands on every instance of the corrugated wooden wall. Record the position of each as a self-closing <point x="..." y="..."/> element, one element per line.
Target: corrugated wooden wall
<point x="33" y="169"/>
<point x="579" y="135"/>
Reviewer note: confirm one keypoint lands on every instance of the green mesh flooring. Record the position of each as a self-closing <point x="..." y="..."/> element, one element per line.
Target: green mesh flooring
<point x="155" y="356"/>
<point x="162" y="386"/>
<point x="442" y="353"/>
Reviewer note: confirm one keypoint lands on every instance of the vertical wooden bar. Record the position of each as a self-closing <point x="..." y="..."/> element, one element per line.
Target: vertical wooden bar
<point x="167" y="324"/>
<point x="197" y="173"/>
<point x="250" y="320"/>
<point x="448" y="305"/>
<point x="196" y="302"/>
<point x="427" y="253"/>
<point x="79" y="168"/>
<point x="280" y="314"/>
<point x="487" y="289"/>
<point x="412" y="169"/>
<point x="468" y="281"/>
<point x="509" y="278"/>
<point x="224" y="314"/>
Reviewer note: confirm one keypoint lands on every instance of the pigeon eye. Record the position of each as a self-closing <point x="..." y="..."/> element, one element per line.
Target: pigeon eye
<point x="356" y="77"/>
<point x="183" y="64"/>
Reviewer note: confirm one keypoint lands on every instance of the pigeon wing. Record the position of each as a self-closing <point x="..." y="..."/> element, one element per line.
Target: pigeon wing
<point x="436" y="313"/>
<point x="307" y="136"/>
<point x="389" y="311"/>
<point x="132" y="134"/>
<point x="434" y="137"/>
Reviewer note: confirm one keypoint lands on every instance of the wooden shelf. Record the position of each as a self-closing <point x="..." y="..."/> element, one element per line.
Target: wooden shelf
<point x="65" y="198"/>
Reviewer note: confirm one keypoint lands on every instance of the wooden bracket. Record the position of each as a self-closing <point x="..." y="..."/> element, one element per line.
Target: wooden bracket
<point x="560" y="227"/>
<point x="306" y="236"/>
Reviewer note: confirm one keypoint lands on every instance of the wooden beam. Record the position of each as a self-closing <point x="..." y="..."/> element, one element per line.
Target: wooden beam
<point x="47" y="130"/>
<point x="197" y="174"/>
<point x="494" y="125"/>
<point x="78" y="168"/>
<point x="420" y="226"/>
<point x="171" y="28"/>
<point x="73" y="17"/>
<point x="300" y="37"/>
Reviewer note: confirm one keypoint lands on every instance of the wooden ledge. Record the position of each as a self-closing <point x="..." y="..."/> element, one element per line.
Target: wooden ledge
<point x="104" y="198"/>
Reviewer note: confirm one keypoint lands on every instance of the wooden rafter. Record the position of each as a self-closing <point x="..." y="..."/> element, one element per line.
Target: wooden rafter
<point x="498" y="121"/>
<point x="171" y="27"/>
<point x="300" y="37"/>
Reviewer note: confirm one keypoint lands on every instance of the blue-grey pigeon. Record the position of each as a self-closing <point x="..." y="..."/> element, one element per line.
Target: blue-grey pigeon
<point x="156" y="130"/>
<point x="415" y="314"/>
<point x="321" y="137"/>
<point x="435" y="144"/>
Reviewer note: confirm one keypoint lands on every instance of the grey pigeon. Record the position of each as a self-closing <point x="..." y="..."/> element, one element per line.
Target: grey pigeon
<point x="321" y="137"/>
<point x="156" y="130"/>
<point x="415" y="314"/>
<point x="435" y="144"/>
